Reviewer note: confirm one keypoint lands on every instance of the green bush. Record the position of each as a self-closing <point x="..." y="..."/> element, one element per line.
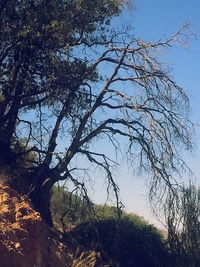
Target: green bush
<point x="68" y="209"/>
<point x="128" y="241"/>
<point x="123" y="242"/>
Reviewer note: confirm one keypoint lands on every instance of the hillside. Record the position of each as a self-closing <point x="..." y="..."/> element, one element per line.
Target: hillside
<point x="25" y="240"/>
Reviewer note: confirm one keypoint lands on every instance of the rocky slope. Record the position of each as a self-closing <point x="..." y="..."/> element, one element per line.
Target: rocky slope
<point x="25" y="240"/>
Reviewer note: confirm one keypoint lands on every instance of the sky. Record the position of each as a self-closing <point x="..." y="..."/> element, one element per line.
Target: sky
<point x="154" y="18"/>
<point x="151" y="20"/>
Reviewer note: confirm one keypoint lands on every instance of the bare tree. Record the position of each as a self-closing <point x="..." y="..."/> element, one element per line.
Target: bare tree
<point x="116" y="90"/>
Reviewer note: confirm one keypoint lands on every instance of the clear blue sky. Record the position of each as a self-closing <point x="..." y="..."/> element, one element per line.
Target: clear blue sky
<point x="151" y="20"/>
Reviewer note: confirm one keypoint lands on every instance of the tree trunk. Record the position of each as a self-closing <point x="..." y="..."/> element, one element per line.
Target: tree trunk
<point x="40" y="198"/>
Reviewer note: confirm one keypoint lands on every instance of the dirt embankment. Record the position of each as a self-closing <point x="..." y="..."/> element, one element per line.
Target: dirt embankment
<point x="25" y="240"/>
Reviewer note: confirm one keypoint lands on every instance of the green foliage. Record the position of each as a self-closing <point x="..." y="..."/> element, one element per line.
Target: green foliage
<point x="184" y="226"/>
<point x="21" y="165"/>
<point x="103" y="212"/>
<point x="128" y="241"/>
<point x="42" y="42"/>
<point x="68" y="209"/>
<point x="123" y="242"/>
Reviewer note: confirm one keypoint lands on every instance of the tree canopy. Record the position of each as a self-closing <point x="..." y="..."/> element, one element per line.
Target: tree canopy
<point x="69" y="79"/>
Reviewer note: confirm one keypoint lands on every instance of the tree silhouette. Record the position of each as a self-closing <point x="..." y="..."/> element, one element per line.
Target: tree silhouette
<point x="69" y="80"/>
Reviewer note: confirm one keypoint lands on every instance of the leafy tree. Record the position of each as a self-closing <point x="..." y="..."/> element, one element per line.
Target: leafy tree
<point x="183" y="221"/>
<point x="68" y="80"/>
